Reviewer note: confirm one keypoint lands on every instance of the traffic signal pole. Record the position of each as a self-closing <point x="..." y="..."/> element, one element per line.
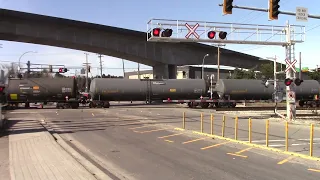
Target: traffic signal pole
<point x="290" y="90"/>
<point x="267" y="10"/>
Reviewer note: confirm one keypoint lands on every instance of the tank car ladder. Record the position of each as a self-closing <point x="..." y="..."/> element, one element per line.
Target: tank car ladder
<point x="148" y="92"/>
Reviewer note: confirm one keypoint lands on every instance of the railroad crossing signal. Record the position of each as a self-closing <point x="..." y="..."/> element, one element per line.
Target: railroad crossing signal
<point x="63" y="70"/>
<point x="192" y="31"/>
<point x="165" y="32"/>
<point x="274" y="9"/>
<point x="291" y="65"/>
<point x="227" y="6"/>
<point x="288" y="81"/>
<point x="298" y="81"/>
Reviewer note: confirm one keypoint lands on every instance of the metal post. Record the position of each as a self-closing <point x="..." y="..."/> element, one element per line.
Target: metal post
<point x="236" y="128"/>
<point x="184" y="120"/>
<point x="123" y="68"/>
<point x="300" y="65"/>
<point x="311" y="139"/>
<point x="87" y="73"/>
<point x="218" y="62"/>
<point x="223" y="125"/>
<point x="202" y="70"/>
<point x="19" y="66"/>
<point x="291" y="107"/>
<point x="138" y="70"/>
<point x="211" y="81"/>
<point x="100" y="56"/>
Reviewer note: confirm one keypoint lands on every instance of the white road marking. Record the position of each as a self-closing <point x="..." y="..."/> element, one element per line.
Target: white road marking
<point x="282" y="145"/>
<point x="282" y="140"/>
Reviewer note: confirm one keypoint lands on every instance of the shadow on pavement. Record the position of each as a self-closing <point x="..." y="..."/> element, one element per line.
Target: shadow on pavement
<point x="21" y="127"/>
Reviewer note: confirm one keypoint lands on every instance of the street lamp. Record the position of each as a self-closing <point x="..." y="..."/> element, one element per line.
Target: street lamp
<point x="202" y="75"/>
<point x="21" y="57"/>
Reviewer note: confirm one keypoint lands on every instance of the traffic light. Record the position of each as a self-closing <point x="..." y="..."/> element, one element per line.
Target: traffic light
<point x="274" y="9"/>
<point x="166" y="33"/>
<point x="89" y="68"/>
<point x="227" y="6"/>
<point x="156" y="32"/>
<point x="222" y="34"/>
<point x="298" y="81"/>
<point x="288" y="81"/>
<point x="211" y="34"/>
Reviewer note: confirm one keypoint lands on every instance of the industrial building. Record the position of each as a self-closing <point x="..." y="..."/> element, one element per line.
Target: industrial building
<point x="183" y="72"/>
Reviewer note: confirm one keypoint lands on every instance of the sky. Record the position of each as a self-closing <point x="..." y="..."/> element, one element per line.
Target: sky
<point x="134" y="15"/>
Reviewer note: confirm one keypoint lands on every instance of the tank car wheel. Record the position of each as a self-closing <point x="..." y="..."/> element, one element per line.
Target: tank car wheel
<point x="204" y="105"/>
<point x="301" y="103"/>
<point x="218" y="105"/>
<point x="106" y="104"/>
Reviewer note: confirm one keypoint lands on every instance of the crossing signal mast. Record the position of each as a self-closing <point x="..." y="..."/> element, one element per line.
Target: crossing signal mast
<point x="168" y="30"/>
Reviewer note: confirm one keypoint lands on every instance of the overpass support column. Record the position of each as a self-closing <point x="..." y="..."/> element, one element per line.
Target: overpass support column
<point x="165" y="71"/>
<point x="160" y="71"/>
<point x="172" y="71"/>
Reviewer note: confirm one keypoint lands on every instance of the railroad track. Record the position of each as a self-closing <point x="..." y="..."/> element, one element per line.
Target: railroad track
<point x="259" y="108"/>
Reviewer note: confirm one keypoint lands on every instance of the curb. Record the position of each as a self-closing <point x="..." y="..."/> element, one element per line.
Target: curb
<point x="260" y="146"/>
<point x="96" y="172"/>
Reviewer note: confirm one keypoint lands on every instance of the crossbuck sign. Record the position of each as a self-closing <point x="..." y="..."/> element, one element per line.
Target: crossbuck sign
<point x="291" y="65"/>
<point x="192" y="30"/>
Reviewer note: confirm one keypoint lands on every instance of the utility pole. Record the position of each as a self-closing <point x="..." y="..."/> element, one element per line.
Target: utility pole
<point x="87" y="71"/>
<point x="218" y="62"/>
<point x="139" y="71"/>
<point x="123" y="67"/>
<point x="100" y="56"/>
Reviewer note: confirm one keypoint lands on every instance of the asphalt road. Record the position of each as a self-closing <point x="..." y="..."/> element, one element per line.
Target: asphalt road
<point x="141" y="142"/>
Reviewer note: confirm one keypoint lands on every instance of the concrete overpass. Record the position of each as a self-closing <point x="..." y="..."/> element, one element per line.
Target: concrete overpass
<point x="112" y="41"/>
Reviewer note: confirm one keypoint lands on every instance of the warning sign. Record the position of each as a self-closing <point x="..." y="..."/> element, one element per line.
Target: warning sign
<point x="291" y="97"/>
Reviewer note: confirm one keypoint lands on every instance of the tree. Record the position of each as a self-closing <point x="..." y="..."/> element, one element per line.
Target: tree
<point x="314" y="75"/>
<point x="242" y="74"/>
<point x="267" y="71"/>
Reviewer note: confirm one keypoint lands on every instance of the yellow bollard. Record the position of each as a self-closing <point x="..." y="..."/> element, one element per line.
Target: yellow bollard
<point x="211" y="119"/>
<point x="287" y="130"/>
<point x="184" y="120"/>
<point x="201" y="121"/>
<point x="223" y="124"/>
<point x="311" y="139"/>
<point x="250" y="126"/>
<point x="236" y="128"/>
<point x="267" y="133"/>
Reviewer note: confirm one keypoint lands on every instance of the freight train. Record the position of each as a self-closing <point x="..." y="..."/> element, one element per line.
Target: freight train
<point x="65" y="93"/>
<point x="232" y="91"/>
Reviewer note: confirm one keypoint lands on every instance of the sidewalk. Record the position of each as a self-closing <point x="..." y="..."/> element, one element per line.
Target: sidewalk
<point x="36" y="155"/>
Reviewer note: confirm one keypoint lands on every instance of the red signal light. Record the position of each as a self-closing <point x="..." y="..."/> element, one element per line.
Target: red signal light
<point x="1" y="89"/>
<point x="211" y="34"/>
<point x="288" y="82"/>
<point x="222" y="34"/>
<point x="156" y="31"/>
<point x="167" y="33"/>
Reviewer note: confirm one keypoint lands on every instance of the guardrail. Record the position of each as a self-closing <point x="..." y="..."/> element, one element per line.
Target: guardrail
<point x="250" y="136"/>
